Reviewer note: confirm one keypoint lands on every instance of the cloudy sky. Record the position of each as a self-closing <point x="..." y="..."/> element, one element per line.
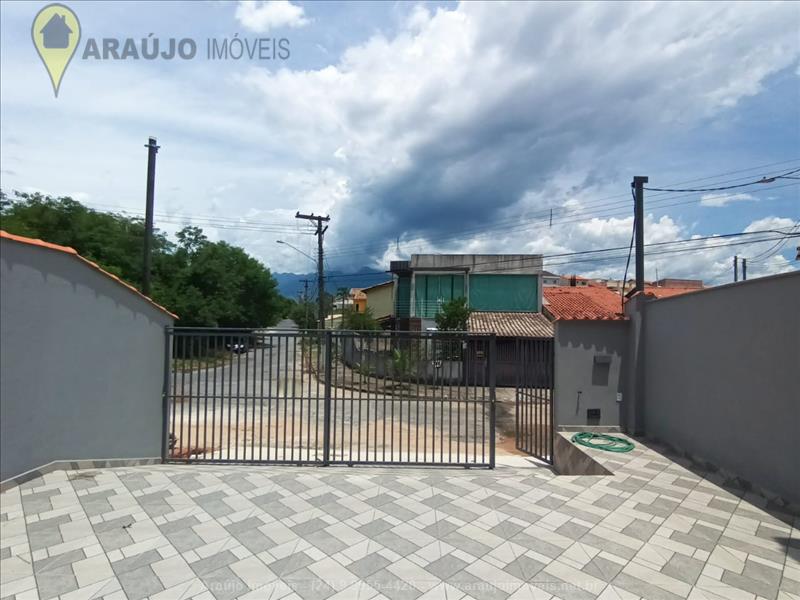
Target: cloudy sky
<point x="429" y="127"/>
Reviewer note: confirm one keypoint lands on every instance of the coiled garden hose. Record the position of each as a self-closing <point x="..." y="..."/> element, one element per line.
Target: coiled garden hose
<point x="602" y="441"/>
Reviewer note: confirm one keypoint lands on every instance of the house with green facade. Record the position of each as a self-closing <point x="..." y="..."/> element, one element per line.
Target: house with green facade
<point x="504" y="292"/>
<point x="507" y="283"/>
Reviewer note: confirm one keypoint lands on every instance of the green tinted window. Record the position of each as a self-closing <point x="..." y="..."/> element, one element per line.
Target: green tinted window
<point x="504" y="293"/>
<point x="402" y="307"/>
<point x="431" y="291"/>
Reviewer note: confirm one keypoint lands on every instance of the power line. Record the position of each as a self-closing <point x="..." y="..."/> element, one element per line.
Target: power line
<point x="221" y="223"/>
<point x="362" y="274"/>
<point x="516" y="222"/>
<point x="546" y="257"/>
<point x="763" y="256"/>
<point x="581" y="258"/>
<point x="422" y="244"/>
<point x="524" y="224"/>
<point x="241" y="224"/>
<point x="764" y="179"/>
<point x="705" y="178"/>
<point x="671" y="251"/>
<point x="625" y="212"/>
<point x="212" y="219"/>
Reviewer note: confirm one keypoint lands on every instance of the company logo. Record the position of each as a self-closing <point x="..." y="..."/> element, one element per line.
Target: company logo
<point x="56" y="33"/>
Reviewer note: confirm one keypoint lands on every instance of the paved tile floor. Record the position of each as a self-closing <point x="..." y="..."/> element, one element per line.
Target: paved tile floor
<point x="654" y="530"/>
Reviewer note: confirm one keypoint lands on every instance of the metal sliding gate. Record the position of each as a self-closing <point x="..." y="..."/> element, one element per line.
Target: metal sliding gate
<point x="534" y="397"/>
<point x="329" y="397"/>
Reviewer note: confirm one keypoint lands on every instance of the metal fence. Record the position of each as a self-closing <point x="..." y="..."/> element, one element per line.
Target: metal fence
<point x="329" y="397"/>
<point x="534" y="397"/>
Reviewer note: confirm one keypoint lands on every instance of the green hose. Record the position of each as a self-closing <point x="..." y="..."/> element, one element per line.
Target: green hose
<point x="602" y="441"/>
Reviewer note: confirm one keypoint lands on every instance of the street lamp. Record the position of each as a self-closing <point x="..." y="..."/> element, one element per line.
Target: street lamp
<point x="308" y="256"/>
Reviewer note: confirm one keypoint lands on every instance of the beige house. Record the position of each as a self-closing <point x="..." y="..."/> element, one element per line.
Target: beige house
<point x="379" y="300"/>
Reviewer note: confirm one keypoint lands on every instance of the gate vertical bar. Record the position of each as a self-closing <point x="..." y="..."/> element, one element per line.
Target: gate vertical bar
<point x="517" y="385"/>
<point x="326" y="447"/>
<point x="492" y="374"/>
<point x="165" y="403"/>
<point x="551" y="393"/>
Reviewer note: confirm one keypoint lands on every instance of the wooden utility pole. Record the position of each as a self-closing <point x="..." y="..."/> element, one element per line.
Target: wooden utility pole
<point x="305" y="299"/>
<point x="638" y="216"/>
<point x="152" y="150"/>
<point x="735" y="269"/>
<point x="744" y="269"/>
<point x="320" y="233"/>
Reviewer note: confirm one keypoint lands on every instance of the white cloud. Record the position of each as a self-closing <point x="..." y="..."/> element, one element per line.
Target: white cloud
<point x="767" y="223"/>
<point x="474" y="112"/>
<point x="262" y="16"/>
<point x="462" y="119"/>
<point x="719" y="200"/>
<point x="710" y="260"/>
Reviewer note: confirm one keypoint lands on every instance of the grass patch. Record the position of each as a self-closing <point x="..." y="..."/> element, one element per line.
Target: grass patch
<point x="214" y="359"/>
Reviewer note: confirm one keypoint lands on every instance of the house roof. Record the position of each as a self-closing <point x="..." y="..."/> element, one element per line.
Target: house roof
<point x="377" y="285"/>
<point x="67" y="250"/>
<point x="57" y="23"/>
<point x="582" y="303"/>
<point x="357" y="294"/>
<point x="510" y="324"/>
<point x="668" y="292"/>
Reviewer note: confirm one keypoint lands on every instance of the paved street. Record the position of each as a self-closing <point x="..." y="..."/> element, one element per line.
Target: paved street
<point x="268" y="404"/>
<point x="654" y="530"/>
<point x="249" y="373"/>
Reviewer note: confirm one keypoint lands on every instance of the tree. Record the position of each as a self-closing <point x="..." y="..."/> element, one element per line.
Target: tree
<point x="342" y="294"/>
<point x="359" y="321"/>
<point x="304" y="313"/>
<point x="191" y="239"/>
<point x="219" y="285"/>
<point x="285" y="306"/>
<point x="113" y="241"/>
<point x="211" y="284"/>
<point x="453" y="316"/>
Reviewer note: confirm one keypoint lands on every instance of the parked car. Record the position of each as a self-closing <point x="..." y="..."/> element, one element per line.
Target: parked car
<point x="237" y="347"/>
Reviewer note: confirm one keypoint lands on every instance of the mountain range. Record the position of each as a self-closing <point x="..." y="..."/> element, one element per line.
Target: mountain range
<point x="291" y="284"/>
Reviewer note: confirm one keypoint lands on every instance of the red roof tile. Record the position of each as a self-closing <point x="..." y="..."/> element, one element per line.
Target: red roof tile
<point x="583" y="303"/>
<point x="73" y="252"/>
<point x="668" y="292"/>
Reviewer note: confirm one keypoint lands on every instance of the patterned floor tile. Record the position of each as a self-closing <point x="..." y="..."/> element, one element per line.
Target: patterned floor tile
<point x="656" y="529"/>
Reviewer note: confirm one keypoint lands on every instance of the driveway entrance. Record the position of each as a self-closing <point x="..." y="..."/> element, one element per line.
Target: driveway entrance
<point x="329" y="397"/>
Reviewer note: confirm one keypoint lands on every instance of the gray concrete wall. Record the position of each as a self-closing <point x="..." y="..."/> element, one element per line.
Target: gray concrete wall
<point x="722" y="378"/>
<point x="589" y="359"/>
<point x="81" y="363"/>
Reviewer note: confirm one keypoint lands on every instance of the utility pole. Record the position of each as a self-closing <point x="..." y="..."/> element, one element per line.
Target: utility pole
<point x="320" y="232"/>
<point x="152" y="150"/>
<point x="744" y="269"/>
<point x="735" y="269"/>
<point x="638" y="218"/>
<point x="305" y="298"/>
